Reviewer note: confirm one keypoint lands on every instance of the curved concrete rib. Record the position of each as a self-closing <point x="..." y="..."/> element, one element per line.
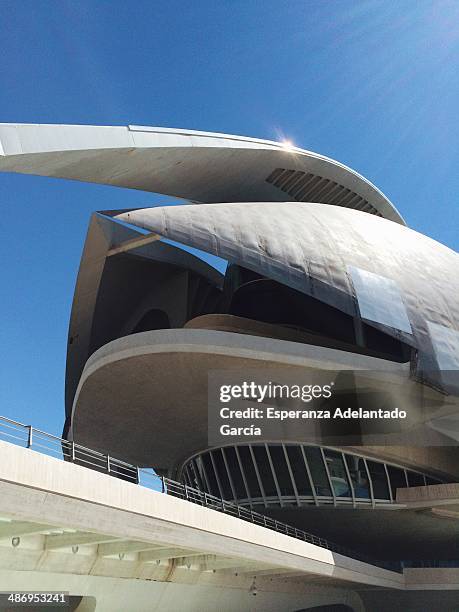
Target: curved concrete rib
<point x="121" y="378"/>
<point x="198" y="166"/>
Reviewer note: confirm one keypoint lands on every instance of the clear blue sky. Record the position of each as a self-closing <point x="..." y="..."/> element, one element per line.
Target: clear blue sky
<point x="372" y="84"/>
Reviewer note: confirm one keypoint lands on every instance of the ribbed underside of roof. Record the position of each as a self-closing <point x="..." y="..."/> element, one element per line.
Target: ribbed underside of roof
<point x="307" y="187"/>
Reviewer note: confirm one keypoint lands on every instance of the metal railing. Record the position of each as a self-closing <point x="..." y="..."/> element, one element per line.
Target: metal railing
<point x="30" y="437"/>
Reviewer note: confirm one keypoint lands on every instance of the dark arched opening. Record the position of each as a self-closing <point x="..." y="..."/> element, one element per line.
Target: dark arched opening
<point x="261" y="299"/>
<point x="152" y="319"/>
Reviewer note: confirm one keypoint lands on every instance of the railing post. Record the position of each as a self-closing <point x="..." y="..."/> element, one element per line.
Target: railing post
<point x="108" y="464"/>
<point x="73" y="451"/>
<point x="163" y="488"/>
<point x="29" y="437"/>
<point x="137" y="474"/>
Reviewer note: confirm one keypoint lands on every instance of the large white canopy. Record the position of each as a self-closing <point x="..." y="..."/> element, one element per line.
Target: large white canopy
<point x="198" y="166"/>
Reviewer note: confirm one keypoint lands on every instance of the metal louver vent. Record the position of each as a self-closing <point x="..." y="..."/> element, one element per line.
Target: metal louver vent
<point x="308" y="187"/>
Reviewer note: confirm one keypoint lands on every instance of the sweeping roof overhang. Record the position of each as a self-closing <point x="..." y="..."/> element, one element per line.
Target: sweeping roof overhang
<point x="394" y="278"/>
<point x="201" y="167"/>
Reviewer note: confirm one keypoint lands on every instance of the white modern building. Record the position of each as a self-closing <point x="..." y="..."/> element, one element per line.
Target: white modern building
<point x="323" y="277"/>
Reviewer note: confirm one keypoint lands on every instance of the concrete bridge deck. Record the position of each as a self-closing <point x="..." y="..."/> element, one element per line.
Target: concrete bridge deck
<point x="64" y="526"/>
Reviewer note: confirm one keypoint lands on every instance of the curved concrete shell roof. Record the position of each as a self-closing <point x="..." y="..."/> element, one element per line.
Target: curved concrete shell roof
<point x="393" y="277"/>
<point x="198" y="166"/>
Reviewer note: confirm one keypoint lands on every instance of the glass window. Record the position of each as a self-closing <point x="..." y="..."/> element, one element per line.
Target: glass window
<point x="222" y="474"/>
<point x="378" y="480"/>
<point x="415" y="479"/>
<point x="249" y="471"/>
<point x="194" y="476"/>
<point x="214" y="490"/>
<point x="235" y="471"/>
<point x="337" y="473"/>
<point x="379" y="299"/>
<point x="317" y="468"/>
<point x="432" y="481"/>
<point x="280" y="466"/>
<point x="186" y="476"/>
<point x="292" y="461"/>
<point x="200" y="471"/>
<point x="359" y="477"/>
<point x="298" y="466"/>
<point x="397" y="479"/>
<point x="264" y="469"/>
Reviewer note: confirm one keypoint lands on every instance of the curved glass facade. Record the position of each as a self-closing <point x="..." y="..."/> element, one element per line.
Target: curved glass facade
<point x="295" y="475"/>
